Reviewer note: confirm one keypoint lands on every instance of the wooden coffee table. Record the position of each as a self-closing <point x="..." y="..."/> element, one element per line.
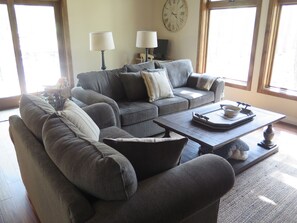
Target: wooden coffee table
<point x="211" y="140"/>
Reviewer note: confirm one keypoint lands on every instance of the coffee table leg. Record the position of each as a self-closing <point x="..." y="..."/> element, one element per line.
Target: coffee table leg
<point x="167" y="133"/>
<point x="204" y="150"/>
<point x="268" y="136"/>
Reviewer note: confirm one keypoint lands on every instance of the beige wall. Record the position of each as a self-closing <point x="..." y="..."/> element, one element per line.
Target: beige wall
<point x="122" y="17"/>
<point x="125" y="17"/>
<point x="184" y="45"/>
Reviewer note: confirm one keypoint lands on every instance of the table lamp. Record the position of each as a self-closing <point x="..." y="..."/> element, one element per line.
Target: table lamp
<point x="146" y="39"/>
<point x="101" y="41"/>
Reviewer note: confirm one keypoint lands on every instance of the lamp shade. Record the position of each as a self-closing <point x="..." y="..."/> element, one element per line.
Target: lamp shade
<point x="101" y="41"/>
<point x="146" y="39"/>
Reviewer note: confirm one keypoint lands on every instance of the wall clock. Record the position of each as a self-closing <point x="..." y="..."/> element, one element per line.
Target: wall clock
<point x="174" y="14"/>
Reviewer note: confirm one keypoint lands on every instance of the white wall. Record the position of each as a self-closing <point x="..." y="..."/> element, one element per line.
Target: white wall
<point x="125" y="17"/>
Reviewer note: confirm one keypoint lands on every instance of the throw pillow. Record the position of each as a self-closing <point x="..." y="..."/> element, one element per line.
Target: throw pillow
<point x="80" y="119"/>
<point x="34" y="112"/>
<point x="205" y="82"/>
<point x="157" y="84"/>
<point x="140" y="66"/>
<point x="149" y="156"/>
<point x="134" y="86"/>
<point x="91" y="166"/>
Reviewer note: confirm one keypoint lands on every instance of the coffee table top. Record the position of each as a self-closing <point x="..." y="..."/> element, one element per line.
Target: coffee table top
<point x="182" y="124"/>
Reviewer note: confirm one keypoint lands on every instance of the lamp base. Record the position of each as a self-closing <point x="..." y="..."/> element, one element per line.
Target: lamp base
<point x="103" y="67"/>
<point x="146" y="54"/>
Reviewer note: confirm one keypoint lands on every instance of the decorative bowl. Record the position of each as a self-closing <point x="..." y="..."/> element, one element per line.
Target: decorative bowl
<point x="231" y="111"/>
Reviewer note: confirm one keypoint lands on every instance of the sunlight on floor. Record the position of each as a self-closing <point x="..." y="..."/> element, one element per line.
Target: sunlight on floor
<point x="266" y="200"/>
<point x="285" y="178"/>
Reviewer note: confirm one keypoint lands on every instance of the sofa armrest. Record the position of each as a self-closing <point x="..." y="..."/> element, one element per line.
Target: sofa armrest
<point x="91" y="97"/>
<point x="181" y="193"/>
<point x="54" y="198"/>
<point x="217" y="86"/>
<point x="102" y="114"/>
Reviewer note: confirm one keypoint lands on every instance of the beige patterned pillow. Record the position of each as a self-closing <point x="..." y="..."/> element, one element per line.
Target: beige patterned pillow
<point x="205" y="82"/>
<point x="80" y="119"/>
<point x="157" y="84"/>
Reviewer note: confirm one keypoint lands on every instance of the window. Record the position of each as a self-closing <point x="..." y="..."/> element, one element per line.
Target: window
<point x="34" y="46"/>
<point x="227" y="40"/>
<point x="279" y="61"/>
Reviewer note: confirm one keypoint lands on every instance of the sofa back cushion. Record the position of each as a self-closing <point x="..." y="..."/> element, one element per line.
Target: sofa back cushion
<point x="140" y="66"/>
<point x="34" y="112"/>
<point x="105" y="82"/>
<point x="90" y="165"/>
<point x="178" y="71"/>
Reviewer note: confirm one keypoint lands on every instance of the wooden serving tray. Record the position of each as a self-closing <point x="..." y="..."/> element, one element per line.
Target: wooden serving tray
<point x="217" y="120"/>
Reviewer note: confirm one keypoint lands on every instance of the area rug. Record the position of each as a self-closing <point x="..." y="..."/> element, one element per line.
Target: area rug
<point x="267" y="192"/>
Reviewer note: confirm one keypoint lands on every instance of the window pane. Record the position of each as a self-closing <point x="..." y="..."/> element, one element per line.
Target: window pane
<point x="284" y="70"/>
<point x="9" y="83"/>
<point x="38" y="41"/>
<point x="230" y="42"/>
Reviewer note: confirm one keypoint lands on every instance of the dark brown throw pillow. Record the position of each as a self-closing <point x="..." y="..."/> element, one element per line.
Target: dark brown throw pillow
<point x="134" y="86"/>
<point x="149" y="156"/>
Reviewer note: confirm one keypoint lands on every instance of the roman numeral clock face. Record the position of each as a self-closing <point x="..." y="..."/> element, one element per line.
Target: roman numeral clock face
<point x="174" y="15"/>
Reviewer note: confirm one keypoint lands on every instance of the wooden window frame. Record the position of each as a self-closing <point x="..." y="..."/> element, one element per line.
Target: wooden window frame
<point x="63" y="38"/>
<point x="271" y="33"/>
<point x="205" y="7"/>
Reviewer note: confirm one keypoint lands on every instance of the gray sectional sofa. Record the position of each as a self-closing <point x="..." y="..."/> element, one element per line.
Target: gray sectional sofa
<point x="70" y="177"/>
<point x="125" y="91"/>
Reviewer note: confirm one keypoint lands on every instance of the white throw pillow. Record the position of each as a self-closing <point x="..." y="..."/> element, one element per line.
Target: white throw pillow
<point x="80" y="119"/>
<point x="157" y="84"/>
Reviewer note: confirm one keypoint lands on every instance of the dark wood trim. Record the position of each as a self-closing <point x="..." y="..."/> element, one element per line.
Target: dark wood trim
<point x="254" y="45"/>
<point x="287" y="2"/>
<point x="17" y="47"/>
<point x="203" y="37"/>
<point x="283" y="93"/>
<point x="235" y="4"/>
<point x="9" y="102"/>
<point x="270" y="41"/>
<point x="61" y="15"/>
<point x="205" y="7"/>
<point x="67" y="44"/>
<point x="242" y="87"/>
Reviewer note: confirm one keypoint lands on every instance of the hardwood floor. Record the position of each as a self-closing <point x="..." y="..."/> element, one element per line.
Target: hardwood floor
<point x="14" y="204"/>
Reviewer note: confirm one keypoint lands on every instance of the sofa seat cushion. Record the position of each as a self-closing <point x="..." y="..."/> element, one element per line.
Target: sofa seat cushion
<point x="149" y="156"/>
<point x="92" y="166"/>
<point x="171" y="105"/>
<point x="194" y="96"/>
<point x="34" y="112"/>
<point x="113" y="132"/>
<point x="178" y="71"/>
<point x="135" y="112"/>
